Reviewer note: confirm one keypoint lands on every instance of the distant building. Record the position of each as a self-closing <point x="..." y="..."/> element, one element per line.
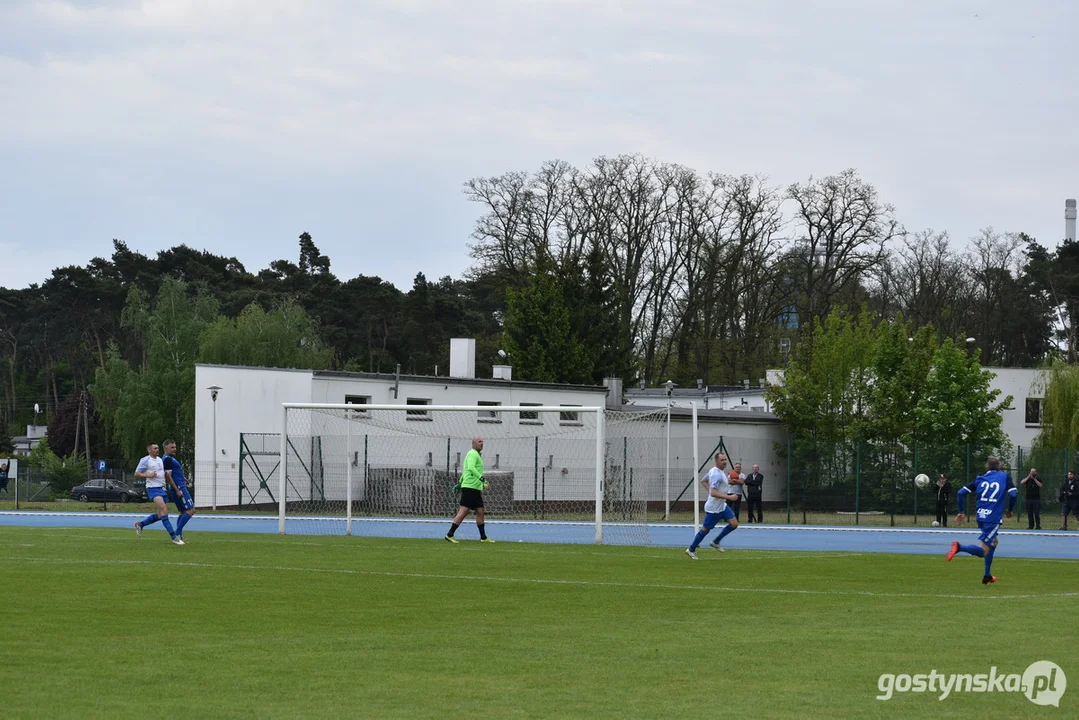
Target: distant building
<point x="248" y="407"/>
<point x="29" y="441"/>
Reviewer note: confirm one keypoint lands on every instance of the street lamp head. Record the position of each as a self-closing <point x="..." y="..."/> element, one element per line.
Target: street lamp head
<point x="213" y="392"/>
<point x="971" y="341"/>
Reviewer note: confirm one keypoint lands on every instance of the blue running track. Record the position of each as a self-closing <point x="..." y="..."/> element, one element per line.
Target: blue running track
<point x="1013" y="543"/>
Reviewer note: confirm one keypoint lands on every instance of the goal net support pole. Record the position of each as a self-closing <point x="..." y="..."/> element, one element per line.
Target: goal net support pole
<point x="696" y="465"/>
<point x="348" y="473"/>
<point x="600" y="459"/>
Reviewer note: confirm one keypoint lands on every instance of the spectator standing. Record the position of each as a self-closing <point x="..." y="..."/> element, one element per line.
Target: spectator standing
<point x="755" y="493"/>
<point x="1069" y="499"/>
<point x="944" y="490"/>
<point x="1033" y="484"/>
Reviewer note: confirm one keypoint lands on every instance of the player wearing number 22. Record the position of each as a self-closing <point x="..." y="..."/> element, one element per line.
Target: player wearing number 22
<point x="990" y="491"/>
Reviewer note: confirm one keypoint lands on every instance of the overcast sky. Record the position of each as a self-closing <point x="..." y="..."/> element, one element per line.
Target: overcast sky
<point x="235" y="125"/>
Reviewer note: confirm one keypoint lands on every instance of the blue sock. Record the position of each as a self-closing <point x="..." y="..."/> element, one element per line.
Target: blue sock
<point x="698" y="539"/>
<point x="180" y="525"/>
<point x="989" y="561"/>
<point x="972" y="549"/>
<point x="150" y="520"/>
<point x="168" y="526"/>
<point x="724" y="533"/>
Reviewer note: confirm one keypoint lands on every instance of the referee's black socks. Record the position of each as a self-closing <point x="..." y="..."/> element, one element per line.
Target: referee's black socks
<point x="453" y="529"/>
<point x="483" y="533"/>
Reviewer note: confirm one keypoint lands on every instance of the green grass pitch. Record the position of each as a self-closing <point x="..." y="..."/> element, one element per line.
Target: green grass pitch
<point x="101" y="624"/>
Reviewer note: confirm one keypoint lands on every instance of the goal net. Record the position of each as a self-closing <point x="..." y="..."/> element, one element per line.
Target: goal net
<point x="564" y="471"/>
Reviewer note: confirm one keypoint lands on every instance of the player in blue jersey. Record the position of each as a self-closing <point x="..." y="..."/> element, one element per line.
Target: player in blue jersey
<point x="715" y="508"/>
<point x="152" y="470"/>
<point x="989" y="491"/>
<point x="180" y="496"/>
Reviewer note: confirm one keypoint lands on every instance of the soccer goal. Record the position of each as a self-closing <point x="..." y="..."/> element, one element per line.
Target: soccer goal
<point x="563" y="466"/>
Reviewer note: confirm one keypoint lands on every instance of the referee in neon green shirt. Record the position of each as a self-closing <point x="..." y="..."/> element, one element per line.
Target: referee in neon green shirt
<point x="472" y="486"/>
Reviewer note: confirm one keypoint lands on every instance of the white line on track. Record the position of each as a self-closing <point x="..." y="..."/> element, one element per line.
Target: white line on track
<point x="665" y="554"/>
<point x="534" y="581"/>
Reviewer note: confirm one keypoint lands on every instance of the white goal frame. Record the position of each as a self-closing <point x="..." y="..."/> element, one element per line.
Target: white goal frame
<point x="285" y="407"/>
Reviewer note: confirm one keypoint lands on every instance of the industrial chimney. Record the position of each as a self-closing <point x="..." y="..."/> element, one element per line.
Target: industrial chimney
<point x="1069" y="219"/>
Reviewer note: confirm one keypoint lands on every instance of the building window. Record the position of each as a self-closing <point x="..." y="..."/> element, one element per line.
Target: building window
<point x="489" y="416"/>
<point x="528" y="417"/>
<point x="567" y="417"/>
<point x="417" y="414"/>
<point x="1034" y="411"/>
<point x="358" y="400"/>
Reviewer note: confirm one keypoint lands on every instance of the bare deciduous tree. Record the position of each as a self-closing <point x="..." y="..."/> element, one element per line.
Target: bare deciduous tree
<point x="844" y="228"/>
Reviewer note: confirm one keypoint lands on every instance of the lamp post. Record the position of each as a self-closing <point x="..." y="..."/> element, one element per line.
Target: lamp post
<point x="214" y="389"/>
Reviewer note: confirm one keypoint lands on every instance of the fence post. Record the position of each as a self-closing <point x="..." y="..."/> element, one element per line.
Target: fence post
<point x="805" y="489"/>
<point x="1022" y="494"/>
<point x="790" y="459"/>
<point x="893" y="478"/>
<point x="857" y="479"/>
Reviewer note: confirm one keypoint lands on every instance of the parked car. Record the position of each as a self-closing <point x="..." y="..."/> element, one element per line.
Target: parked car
<point x="107" y="490"/>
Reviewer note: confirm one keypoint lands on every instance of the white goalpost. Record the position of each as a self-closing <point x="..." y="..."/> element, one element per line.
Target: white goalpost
<point x="342" y="463"/>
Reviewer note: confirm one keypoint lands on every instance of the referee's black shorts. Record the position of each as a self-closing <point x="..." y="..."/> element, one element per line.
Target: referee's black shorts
<point x="471" y="498"/>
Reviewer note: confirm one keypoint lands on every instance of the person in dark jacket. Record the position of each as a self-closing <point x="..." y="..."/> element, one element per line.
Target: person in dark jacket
<point x="944" y="491"/>
<point x="1069" y="499"/>
<point x="755" y="493"/>
<point x="1033" y="484"/>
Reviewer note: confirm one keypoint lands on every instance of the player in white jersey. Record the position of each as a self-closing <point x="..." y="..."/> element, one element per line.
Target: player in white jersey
<point x="152" y="469"/>
<point x="715" y="508"/>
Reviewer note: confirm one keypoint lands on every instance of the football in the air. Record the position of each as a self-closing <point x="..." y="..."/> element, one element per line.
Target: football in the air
<point x="922" y="480"/>
<point x="936" y="524"/>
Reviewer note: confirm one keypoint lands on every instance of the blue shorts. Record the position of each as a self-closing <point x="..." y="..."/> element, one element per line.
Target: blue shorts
<point x="989" y="532"/>
<point x="183" y="503"/>
<point x="712" y="519"/>
<point x="156" y="492"/>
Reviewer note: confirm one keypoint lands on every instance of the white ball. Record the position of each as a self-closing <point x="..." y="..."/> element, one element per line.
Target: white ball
<point x="936" y="524"/>
<point x="922" y="480"/>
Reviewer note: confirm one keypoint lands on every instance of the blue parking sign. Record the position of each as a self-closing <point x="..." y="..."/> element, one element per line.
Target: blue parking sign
<point x="101" y="466"/>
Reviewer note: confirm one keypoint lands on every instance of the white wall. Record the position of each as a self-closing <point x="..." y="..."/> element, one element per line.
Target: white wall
<point x="249" y="402"/>
<point x="1021" y="383"/>
<point x="334" y="388"/>
<point x="747" y="442"/>
<point x="754" y="397"/>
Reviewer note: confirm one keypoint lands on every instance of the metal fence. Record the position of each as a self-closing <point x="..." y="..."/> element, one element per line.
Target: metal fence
<point x="873" y="484"/>
<point x="810" y="483"/>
